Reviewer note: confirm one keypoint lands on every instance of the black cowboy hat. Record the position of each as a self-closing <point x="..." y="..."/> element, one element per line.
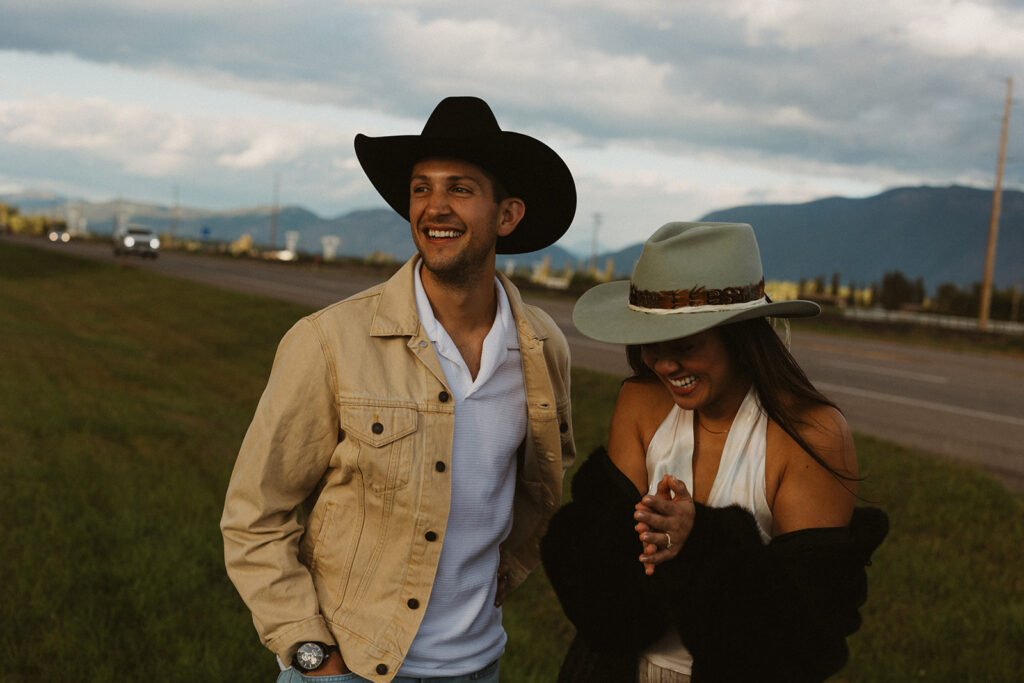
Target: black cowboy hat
<point x="465" y="128"/>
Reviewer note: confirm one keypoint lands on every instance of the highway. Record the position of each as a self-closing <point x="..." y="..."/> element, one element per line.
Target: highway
<point x="965" y="406"/>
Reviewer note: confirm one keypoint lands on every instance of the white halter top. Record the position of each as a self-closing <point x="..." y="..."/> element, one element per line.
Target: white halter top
<point x="739" y="481"/>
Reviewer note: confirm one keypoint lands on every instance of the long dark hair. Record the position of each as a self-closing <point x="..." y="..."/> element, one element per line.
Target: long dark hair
<point x="781" y="384"/>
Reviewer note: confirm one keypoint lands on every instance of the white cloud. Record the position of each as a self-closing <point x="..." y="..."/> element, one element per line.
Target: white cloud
<point x="537" y="65"/>
<point x="945" y="28"/>
<point x="962" y="29"/>
<point x="154" y="142"/>
<point x="266" y="149"/>
<point x="662" y="107"/>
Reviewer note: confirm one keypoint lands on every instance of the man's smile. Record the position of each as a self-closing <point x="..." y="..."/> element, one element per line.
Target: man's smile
<point x="442" y="233"/>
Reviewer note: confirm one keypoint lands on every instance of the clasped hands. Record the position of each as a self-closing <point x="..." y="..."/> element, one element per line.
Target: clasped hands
<point x="664" y="520"/>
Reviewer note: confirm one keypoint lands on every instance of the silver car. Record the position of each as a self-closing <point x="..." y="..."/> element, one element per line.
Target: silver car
<point x="136" y="239"/>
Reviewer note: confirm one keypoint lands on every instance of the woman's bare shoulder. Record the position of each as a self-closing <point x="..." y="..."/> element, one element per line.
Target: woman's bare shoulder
<point x="643" y="389"/>
<point x="644" y="400"/>
<point x="808" y="493"/>
<point x="826" y="431"/>
<point x="640" y="408"/>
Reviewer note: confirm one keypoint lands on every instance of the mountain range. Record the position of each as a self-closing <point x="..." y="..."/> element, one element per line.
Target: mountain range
<point x="938" y="234"/>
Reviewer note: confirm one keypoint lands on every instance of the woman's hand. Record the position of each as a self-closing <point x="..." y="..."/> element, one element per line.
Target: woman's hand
<point x="664" y="521"/>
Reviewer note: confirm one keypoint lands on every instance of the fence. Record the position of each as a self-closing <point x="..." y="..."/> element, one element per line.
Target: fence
<point x="933" y="319"/>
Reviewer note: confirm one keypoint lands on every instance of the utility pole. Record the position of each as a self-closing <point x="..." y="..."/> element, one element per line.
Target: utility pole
<point x="174" y="216"/>
<point x="993" y="226"/>
<point x="273" y="212"/>
<point x="593" y="244"/>
<point x="1015" y="304"/>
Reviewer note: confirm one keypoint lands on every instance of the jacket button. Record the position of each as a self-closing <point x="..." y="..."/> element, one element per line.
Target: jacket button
<point x="440" y="466"/>
<point x="564" y="427"/>
<point x="377" y="428"/>
<point x="413" y="603"/>
<point x="430" y="536"/>
<point x="443" y="397"/>
<point x="382" y="669"/>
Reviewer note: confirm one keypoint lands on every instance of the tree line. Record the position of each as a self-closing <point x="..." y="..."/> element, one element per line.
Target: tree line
<point x="12" y="221"/>
<point x="897" y="292"/>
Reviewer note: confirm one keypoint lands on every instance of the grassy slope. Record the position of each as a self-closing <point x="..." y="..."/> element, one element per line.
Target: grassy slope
<point x="124" y="396"/>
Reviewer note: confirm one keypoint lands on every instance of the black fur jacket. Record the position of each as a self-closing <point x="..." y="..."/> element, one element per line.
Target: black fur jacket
<point x="745" y="610"/>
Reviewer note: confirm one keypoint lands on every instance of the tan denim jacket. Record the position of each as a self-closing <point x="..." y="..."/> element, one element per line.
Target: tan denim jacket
<point x="339" y="499"/>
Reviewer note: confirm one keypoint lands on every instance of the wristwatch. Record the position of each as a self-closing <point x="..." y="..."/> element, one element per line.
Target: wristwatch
<point x="311" y="656"/>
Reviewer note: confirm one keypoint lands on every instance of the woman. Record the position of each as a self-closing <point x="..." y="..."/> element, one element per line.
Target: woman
<point x="733" y="477"/>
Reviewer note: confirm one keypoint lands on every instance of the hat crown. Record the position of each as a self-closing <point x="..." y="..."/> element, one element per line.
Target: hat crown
<point x="689" y="278"/>
<point x="683" y="256"/>
<point x="461" y="117"/>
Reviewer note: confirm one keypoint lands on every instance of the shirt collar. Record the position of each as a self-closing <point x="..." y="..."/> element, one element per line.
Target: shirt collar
<point x="499" y="340"/>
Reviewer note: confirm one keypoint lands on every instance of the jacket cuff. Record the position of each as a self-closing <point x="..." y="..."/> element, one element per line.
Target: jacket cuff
<point x="313" y="629"/>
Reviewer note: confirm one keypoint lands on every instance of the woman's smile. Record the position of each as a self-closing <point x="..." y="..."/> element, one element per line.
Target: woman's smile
<point x="683" y="383"/>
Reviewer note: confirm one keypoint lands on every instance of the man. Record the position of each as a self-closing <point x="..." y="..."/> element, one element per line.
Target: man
<point x="422" y="426"/>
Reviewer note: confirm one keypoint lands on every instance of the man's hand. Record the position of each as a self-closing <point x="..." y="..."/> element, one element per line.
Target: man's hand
<point x="332" y="666"/>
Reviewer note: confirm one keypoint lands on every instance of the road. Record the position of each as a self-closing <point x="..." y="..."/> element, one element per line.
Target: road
<point x="969" y="407"/>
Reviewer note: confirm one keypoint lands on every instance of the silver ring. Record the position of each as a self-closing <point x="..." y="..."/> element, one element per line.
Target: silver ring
<point x="669" y="545"/>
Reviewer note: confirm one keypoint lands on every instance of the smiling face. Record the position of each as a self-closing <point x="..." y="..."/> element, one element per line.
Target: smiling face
<point x="697" y="372"/>
<point x="455" y="218"/>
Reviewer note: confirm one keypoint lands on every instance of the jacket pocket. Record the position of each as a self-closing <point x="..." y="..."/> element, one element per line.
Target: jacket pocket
<point x="382" y="434"/>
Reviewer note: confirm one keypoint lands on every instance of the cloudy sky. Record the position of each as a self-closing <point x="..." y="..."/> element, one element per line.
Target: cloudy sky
<point x="663" y="109"/>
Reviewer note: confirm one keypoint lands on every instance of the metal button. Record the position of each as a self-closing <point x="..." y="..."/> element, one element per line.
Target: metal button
<point x="377" y="428"/>
<point x="443" y="397"/>
<point x="564" y="427"/>
<point x="430" y="536"/>
<point x="382" y="669"/>
<point x="440" y="466"/>
<point x="413" y="603"/>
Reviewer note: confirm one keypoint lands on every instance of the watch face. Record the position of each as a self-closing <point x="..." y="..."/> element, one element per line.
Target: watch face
<point x="309" y="656"/>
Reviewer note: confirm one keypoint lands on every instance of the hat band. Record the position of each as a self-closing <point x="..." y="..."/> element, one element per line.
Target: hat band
<point x="696" y="300"/>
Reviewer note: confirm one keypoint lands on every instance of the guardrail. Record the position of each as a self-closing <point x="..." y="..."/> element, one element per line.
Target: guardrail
<point x="933" y="319"/>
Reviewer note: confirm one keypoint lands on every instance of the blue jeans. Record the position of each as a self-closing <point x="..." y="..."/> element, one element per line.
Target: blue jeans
<point x="488" y="674"/>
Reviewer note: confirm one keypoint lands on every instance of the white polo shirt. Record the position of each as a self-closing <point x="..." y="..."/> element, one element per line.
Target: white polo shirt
<point x="461" y="630"/>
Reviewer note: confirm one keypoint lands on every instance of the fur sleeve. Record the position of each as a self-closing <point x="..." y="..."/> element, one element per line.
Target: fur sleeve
<point x="590" y="554"/>
<point x="779" y="612"/>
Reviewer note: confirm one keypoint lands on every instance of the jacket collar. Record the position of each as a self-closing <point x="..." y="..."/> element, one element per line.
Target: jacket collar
<point x="396" y="308"/>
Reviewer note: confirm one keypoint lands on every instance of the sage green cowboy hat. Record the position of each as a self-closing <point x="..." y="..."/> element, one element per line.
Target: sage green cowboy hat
<point x="690" y="277"/>
<point x="465" y="128"/>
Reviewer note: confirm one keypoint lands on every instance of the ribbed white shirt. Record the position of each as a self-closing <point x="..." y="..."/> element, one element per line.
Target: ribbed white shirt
<point x="461" y="630"/>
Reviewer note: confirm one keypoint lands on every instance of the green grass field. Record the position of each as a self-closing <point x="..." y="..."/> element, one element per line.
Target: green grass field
<point x="124" y="397"/>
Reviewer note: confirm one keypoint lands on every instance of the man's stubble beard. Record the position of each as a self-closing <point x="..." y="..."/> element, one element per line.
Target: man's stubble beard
<point x="457" y="274"/>
<point x="464" y="268"/>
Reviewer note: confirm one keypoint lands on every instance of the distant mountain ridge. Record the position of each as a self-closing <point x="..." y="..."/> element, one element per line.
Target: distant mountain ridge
<point x="938" y="234"/>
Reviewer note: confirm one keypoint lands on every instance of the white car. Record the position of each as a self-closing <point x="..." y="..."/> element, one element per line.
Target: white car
<point x="136" y="239"/>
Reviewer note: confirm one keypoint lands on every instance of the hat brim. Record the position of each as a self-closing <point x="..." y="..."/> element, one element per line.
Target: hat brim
<point x="602" y="314"/>
<point x="529" y="170"/>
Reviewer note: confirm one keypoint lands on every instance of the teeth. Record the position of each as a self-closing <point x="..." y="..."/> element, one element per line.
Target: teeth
<point x="439" y="234"/>
<point x="683" y="383"/>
